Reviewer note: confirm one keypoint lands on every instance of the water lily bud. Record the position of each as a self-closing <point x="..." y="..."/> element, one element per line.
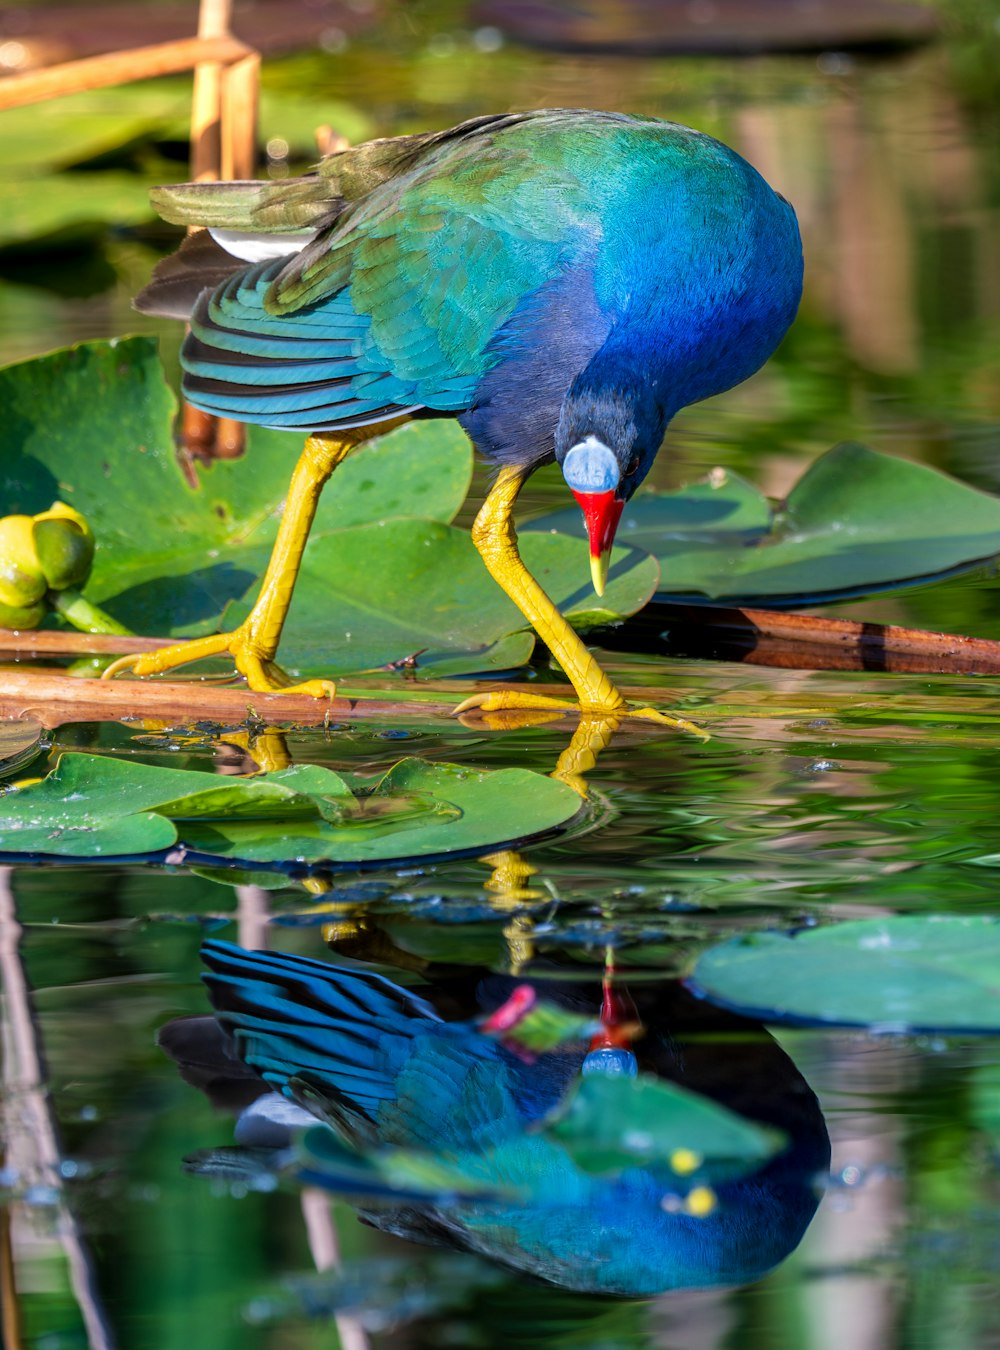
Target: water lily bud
<point x="64" y="544"/>
<point x="22" y="581"/>
<point x="21" y="616"/>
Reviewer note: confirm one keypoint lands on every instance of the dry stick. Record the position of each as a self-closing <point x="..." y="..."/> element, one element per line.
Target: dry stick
<point x="98" y="72"/>
<point x="53" y="698"/>
<point x="23" y="643"/>
<point x="223" y="145"/>
<point x="763" y="625"/>
<point x="784" y="639"/>
<point x="321" y="1230"/>
<point x="30" y="1124"/>
<point x="239" y="99"/>
<point x="10" y="1305"/>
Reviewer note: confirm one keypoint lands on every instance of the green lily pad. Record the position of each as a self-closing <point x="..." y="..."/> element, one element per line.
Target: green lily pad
<point x="367" y="594"/>
<point x="96" y="805"/>
<point x="856" y="522"/>
<point x="383" y="575"/>
<point x="610" y="1122"/>
<point x="934" y="972"/>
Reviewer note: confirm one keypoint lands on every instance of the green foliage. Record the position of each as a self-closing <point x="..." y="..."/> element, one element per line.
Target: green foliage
<point x="97" y="806"/>
<point x="933" y="972"/>
<point x="113" y="139"/>
<point x="856" y="521"/>
<point x="384" y="575"/>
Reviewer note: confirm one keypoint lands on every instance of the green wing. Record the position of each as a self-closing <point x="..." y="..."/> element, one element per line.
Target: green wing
<point x="431" y="241"/>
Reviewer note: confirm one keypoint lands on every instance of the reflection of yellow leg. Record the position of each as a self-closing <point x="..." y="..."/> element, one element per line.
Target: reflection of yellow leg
<point x="267" y="747"/>
<point x="494" y="536"/>
<point x="510" y="879"/>
<point x="592" y="735"/>
<point x="254" y="644"/>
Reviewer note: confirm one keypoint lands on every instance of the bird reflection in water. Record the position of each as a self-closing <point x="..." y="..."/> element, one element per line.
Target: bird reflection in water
<point x="435" y="1124"/>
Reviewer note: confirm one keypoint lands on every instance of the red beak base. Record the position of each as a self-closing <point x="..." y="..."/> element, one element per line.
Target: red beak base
<point x="602" y="511"/>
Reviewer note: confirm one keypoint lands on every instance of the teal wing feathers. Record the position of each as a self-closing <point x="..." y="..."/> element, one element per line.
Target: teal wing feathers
<point x="394" y="306"/>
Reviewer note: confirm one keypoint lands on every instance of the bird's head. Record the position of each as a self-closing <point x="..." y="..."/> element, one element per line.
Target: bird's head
<point x="605" y="443"/>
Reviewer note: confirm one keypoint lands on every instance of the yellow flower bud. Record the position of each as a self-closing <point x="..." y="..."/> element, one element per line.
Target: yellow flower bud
<point x="64" y="544"/>
<point x="22" y="581"/>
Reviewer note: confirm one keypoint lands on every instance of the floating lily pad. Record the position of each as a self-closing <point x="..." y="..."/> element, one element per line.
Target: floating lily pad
<point x="612" y="1122"/>
<point x="383" y="575"/>
<point x="95" y="805"/>
<point x="856" y="522"/>
<point x="911" y="973"/>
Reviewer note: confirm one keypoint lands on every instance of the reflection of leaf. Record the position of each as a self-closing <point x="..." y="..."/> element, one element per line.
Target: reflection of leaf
<point x="326" y="1159"/>
<point x="611" y="1122"/>
<point x="912" y="972"/>
<point x="856" y="521"/>
<point x="20" y="742"/>
<point x="97" y="805"/>
<point x="383" y="577"/>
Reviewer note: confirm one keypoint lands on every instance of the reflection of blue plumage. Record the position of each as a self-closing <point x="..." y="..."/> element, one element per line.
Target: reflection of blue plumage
<point x="386" y="1073"/>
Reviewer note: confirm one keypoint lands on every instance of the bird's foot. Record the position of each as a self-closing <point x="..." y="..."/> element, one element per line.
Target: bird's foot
<point x="508" y="708"/>
<point x="263" y="675"/>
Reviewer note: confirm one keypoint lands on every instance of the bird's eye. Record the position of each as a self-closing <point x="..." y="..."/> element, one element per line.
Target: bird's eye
<point x="632" y="465"/>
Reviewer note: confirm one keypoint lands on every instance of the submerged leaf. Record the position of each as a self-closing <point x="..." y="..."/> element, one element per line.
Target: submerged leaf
<point x="926" y="972"/>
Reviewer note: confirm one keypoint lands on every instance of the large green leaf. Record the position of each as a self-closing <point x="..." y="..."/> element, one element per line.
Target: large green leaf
<point x="96" y="805"/>
<point x="383" y="575"/>
<point x="610" y="1122"/>
<point x="367" y="595"/>
<point x="910" y="973"/>
<point x="857" y="521"/>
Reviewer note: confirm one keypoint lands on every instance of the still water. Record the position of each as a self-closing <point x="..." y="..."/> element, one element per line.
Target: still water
<point x="817" y="795"/>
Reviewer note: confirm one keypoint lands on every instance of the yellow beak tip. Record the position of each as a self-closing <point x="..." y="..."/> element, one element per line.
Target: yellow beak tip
<point x="599" y="570"/>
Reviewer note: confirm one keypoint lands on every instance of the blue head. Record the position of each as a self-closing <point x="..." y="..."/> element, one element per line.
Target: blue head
<point x="700" y="274"/>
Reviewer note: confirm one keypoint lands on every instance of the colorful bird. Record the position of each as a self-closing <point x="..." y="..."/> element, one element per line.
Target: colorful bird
<point x="561" y="281"/>
<point x="438" y="1131"/>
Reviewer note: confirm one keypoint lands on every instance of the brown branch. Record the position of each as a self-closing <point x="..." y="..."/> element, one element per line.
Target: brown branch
<point x="761" y="636"/>
<point x="809" y="642"/>
<point x="98" y="72"/>
<point x="76" y="644"/>
<point x="53" y="698"/>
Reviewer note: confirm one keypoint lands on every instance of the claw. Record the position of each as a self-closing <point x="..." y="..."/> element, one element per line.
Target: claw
<point x="498" y="700"/>
<point x="263" y="676"/>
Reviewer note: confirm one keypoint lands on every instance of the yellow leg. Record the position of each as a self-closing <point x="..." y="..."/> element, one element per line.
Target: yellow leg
<point x="496" y="539"/>
<point x="254" y="644"/>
